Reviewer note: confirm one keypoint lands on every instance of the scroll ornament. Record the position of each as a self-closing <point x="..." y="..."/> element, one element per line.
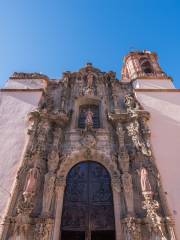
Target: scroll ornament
<point x="133" y="132"/>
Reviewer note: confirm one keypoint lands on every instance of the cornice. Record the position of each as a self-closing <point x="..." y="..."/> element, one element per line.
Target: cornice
<point x="125" y="117"/>
<point x="21" y="90"/>
<point x="156" y="90"/>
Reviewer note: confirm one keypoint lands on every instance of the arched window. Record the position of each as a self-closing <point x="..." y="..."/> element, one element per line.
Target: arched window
<point x="83" y="114"/>
<point x="146" y="65"/>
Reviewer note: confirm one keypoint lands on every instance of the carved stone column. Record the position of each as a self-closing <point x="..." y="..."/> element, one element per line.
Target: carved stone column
<point x="170" y="226"/>
<point x="49" y="178"/>
<point x="115" y="97"/>
<point x="60" y="187"/>
<point x="123" y="160"/>
<point x="116" y="187"/>
<point x="128" y="192"/>
<point x="22" y="226"/>
<point x="48" y="193"/>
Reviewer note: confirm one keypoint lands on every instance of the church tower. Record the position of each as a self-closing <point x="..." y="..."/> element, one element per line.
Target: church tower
<point x="142" y="65"/>
<point x="88" y="166"/>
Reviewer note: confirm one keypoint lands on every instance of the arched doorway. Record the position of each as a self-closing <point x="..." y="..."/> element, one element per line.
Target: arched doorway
<point x="88" y="211"/>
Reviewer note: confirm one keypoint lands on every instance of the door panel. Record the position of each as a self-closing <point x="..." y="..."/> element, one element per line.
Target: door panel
<point x="103" y="235"/>
<point x="88" y="202"/>
<point x="73" y="235"/>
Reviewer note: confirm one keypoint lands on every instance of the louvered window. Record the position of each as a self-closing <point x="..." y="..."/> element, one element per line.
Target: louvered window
<point x="83" y="112"/>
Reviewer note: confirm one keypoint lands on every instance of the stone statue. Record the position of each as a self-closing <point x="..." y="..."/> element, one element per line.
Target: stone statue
<point x="90" y="79"/>
<point x="128" y="191"/>
<point x="31" y="183"/>
<point x="145" y="184"/>
<point x="48" y="192"/>
<point x="53" y="160"/>
<point x="89" y="119"/>
<point x="89" y="89"/>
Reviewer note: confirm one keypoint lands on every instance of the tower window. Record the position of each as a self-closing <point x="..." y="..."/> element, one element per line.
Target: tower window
<point x="146" y="65"/>
<point x="83" y="111"/>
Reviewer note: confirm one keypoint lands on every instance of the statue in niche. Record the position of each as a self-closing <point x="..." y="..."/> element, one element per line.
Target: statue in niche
<point x="48" y="192"/>
<point x="90" y="79"/>
<point x="89" y="90"/>
<point x="145" y="184"/>
<point x="31" y="183"/>
<point x="53" y="160"/>
<point x="89" y="119"/>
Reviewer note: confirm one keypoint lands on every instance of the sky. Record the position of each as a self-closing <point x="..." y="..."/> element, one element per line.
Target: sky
<point x="54" y="36"/>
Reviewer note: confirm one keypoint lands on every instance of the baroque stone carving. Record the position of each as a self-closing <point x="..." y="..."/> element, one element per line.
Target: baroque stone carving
<point x="54" y="150"/>
<point x="155" y="221"/>
<point x="131" y="104"/>
<point x="133" y="229"/>
<point x="151" y="206"/>
<point x="43" y="230"/>
<point x="133" y="132"/>
<point x="22" y="226"/>
<point x="22" y="75"/>
<point x="88" y="139"/>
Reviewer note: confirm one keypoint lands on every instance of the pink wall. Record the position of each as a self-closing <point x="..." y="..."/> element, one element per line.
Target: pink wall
<point x="165" y="129"/>
<point x="14" y="107"/>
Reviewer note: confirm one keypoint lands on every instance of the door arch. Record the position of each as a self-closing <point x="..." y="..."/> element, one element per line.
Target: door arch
<point x="88" y="211"/>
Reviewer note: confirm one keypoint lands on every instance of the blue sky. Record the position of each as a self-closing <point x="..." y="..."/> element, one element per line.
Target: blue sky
<point x="53" y="36"/>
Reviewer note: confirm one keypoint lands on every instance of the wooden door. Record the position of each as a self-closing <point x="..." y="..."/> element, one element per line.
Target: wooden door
<point x="88" y="203"/>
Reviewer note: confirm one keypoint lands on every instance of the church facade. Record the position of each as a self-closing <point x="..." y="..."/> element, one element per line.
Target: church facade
<point x="91" y="157"/>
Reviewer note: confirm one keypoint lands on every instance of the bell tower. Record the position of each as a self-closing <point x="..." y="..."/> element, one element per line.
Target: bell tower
<point x="144" y="70"/>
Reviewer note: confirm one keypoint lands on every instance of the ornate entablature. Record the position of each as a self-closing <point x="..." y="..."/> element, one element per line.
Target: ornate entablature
<point x="89" y="116"/>
<point x="23" y="75"/>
